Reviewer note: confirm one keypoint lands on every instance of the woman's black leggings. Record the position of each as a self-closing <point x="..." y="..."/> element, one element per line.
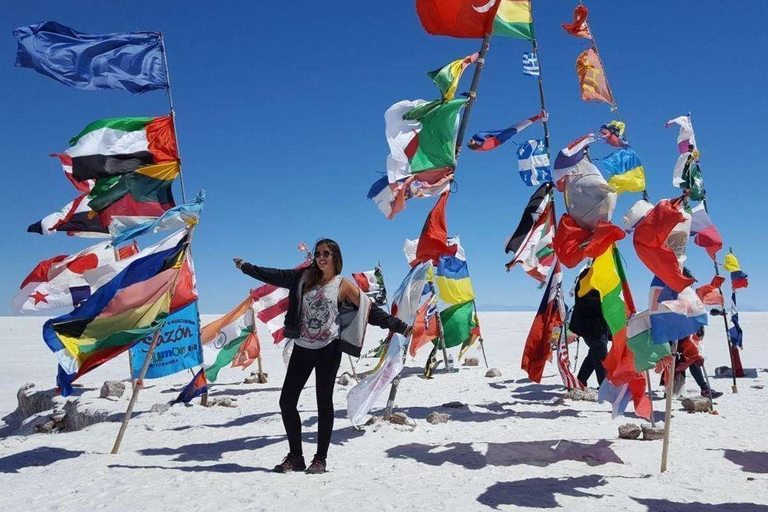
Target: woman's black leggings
<point x="325" y="361"/>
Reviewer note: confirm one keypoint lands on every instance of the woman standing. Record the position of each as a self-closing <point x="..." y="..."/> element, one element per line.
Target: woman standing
<point x="327" y="315"/>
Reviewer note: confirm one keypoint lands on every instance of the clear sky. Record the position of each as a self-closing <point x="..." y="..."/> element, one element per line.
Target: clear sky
<point x="280" y="118"/>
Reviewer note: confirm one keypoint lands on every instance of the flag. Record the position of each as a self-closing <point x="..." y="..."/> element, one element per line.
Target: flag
<point x="646" y="354"/>
<point x="563" y="360"/>
<point x="686" y="139"/>
<point x="627" y="173"/>
<point x="652" y="247"/>
<point x="592" y="79"/>
<point x="674" y="315"/>
<point x="537" y="254"/>
<point x="452" y="279"/>
<point x="131" y="305"/>
<point x="535" y="210"/>
<point x="197" y="386"/>
<point x="371" y="283"/>
<point x="128" y="61"/>
<point x="409" y="249"/>
<point x="230" y="340"/>
<point x="120" y="145"/>
<point x="710" y="293"/>
<point x="589" y="199"/>
<point x="76" y="218"/>
<point x="618" y="396"/>
<point x="572" y="243"/>
<point x="458" y="322"/>
<point x="149" y="184"/>
<point x="691" y="178"/>
<point x="538" y="345"/>
<point x="471" y="19"/>
<point x="533" y="162"/>
<point x="531" y="64"/>
<point x="704" y="232"/>
<point x="59" y="282"/>
<point x="735" y="333"/>
<point x="390" y="198"/>
<point x="425" y="328"/>
<point x="406" y="299"/>
<point x="447" y="77"/>
<point x="614" y="134"/>
<point x="433" y="241"/>
<point x="485" y="141"/>
<point x="572" y="158"/>
<point x="421" y="136"/>
<point x="271" y="305"/>
<point x="178" y="217"/>
<point x="738" y="277"/>
<point x="579" y="27"/>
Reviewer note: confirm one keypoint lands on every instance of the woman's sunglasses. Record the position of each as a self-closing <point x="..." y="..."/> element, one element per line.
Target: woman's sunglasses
<point x="324" y="254"/>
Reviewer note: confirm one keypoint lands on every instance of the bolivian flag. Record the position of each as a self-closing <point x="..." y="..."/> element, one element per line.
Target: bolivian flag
<point x="130" y="306"/>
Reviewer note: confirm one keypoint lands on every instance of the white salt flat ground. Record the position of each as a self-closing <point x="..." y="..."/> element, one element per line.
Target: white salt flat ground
<point x="513" y="448"/>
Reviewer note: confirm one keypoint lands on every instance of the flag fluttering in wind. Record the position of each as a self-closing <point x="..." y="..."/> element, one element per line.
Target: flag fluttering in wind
<point x="59" y="282"/>
<point x="452" y="278"/>
<point x="197" y="386"/>
<point x="177" y="217"/>
<point x="371" y="282"/>
<point x="563" y="360"/>
<point x="579" y="27"/>
<point x="674" y="315"/>
<point x="704" y="232"/>
<point x="425" y="328"/>
<point x="128" y="61"/>
<point x="652" y="246"/>
<point x="120" y="313"/>
<point x="735" y="332"/>
<point x="573" y="243"/>
<point x="271" y="305"/>
<point x="592" y="80"/>
<point x="536" y="254"/>
<point x="534" y="216"/>
<point x="421" y="136"/>
<point x="390" y="198"/>
<point x="738" y="277"/>
<point x="572" y="159"/>
<point x="485" y="141"/>
<point x="447" y="77"/>
<point x="433" y="241"/>
<point x="686" y="139"/>
<point x="538" y="345"/>
<point x="614" y="134"/>
<point x="533" y="162"/>
<point x="531" y="64"/>
<point x="458" y="322"/>
<point x="710" y="293"/>
<point x="645" y="352"/>
<point x="76" y="218"/>
<point x="120" y="145"/>
<point x="475" y="18"/>
<point x="230" y="340"/>
<point x="589" y="199"/>
<point x="627" y="173"/>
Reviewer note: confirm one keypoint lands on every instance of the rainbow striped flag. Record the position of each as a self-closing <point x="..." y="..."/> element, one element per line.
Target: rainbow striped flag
<point x="514" y="19"/>
<point x="130" y="306"/>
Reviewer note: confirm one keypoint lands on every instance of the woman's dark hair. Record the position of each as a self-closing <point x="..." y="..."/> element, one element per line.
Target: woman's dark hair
<point x="315" y="274"/>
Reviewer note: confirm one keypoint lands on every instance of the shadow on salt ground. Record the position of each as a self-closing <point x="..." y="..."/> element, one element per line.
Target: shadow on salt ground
<point x="671" y="506"/>
<point x="214" y="468"/>
<point x="751" y="462"/>
<point x="531" y="453"/>
<point x="497" y="411"/>
<point x="201" y="452"/>
<point x="539" y="492"/>
<point x="221" y="390"/>
<point x="43" y="456"/>
<point x="237" y="422"/>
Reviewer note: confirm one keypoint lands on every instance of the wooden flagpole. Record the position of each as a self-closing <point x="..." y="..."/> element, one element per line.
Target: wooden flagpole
<point x="734" y="386"/>
<point x="173" y="115"/>
<point x="479" y="64"/>
<point x="668" y="416"/>
<point x="260" y="376"/>
<point x="150" y="352"/>
<point x="650" y="396"/>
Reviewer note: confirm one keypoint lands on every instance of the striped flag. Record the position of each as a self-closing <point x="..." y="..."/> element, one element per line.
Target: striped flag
<point x="271" y="304"/>
<point x="531" y="64"/>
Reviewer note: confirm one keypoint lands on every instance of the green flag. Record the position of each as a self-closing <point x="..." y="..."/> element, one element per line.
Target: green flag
<point x="447" y="77"/>
<point x="645" y="352"/>
<point x="458" y="322"/>
<point x="435" y="145"/>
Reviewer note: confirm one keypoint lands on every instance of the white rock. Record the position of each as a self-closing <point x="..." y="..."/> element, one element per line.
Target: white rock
<point x="471" y="361"/>
<point x="160" y="408"/>
<point x="400" y="418"/>
<point x="630" y="431"/>
<point x="653" y="433"/>
<point x="696" y="404"/>
<point x="437" y="417"/>
<point x="112" y="388"/>
<point x="493" y="372"/>
<point x="587" y="395"/>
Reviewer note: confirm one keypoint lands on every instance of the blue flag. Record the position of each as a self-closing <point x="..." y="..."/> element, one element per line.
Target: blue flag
<point x="177" y="217"/>
<point x="128" y="61"/>
<point x="533" y="162"/>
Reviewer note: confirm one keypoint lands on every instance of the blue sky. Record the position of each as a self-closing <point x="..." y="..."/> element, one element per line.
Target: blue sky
<point x="280" y="118"/>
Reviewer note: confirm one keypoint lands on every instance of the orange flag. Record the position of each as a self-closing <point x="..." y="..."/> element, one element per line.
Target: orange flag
<point x="579" y="27"/>
<point x="592" y="80"/>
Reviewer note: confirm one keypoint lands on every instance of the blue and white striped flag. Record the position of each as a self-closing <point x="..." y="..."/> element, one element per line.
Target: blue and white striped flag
<point x="531" y="64"/>
<point x="533" y="161"/>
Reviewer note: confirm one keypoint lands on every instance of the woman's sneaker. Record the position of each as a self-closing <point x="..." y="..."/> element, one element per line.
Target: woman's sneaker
<point x="291" y="463"/>
<point x="711" y="393"/>
<point x="317" y="466"/>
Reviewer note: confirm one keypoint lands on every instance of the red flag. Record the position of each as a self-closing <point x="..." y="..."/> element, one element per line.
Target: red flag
<point x="457" y="18"/>
<point x="424" y="329"/>
<point x="579" y="27"/>
<point x="538" y="345"/>
<point x="710" y="293"/>
<point x="650" y="244"/>
<point x="592" y="80"/>
<point x="573" y="243"/>
<point x="433" y="241"/>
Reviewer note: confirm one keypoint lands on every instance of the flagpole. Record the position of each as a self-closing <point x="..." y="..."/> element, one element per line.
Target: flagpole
<point x="173" y="116"/>
<point x="734" y="386"/>
<point x="150" y="352"/>
<point x="668" y="412"/>
<point x="650" y="396"/>
<point x="479" y="64"/>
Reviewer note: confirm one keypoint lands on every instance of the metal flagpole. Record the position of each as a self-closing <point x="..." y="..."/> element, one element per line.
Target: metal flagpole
<point x="734" y="386"/>
<point x="479" y="64"/>
<point x="173" y="116"/>
<point x="150" y="352"/>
